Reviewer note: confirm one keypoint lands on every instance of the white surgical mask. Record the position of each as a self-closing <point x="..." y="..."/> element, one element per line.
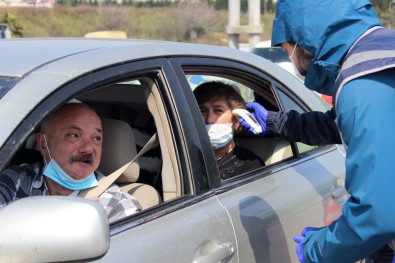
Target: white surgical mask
<point x="297" y="73"/>
<point x="53" y="171"/>
<point x="220" y="134"/>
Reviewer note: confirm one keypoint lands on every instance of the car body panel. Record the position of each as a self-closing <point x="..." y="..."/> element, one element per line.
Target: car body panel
<point x="195" y="225"/>
<point x="266" y="202"/>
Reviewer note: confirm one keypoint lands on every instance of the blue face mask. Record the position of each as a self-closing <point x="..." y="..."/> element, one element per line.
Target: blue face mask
<point x="56" y="173"/>
<point x="220" y="134"/>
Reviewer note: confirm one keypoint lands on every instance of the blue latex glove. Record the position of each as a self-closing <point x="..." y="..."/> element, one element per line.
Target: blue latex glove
<point x="300" y="247"/>
<point x="260" y="114"/>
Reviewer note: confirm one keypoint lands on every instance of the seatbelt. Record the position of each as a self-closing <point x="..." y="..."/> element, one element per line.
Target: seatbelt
<point x="105" y="182"/>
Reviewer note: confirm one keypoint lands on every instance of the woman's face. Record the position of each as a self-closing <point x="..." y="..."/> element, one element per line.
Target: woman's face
<point x="217" y="111"/>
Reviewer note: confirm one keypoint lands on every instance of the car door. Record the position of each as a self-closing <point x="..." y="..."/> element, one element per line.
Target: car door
<point x="192" y="225"/>
<point x="189" y="225"/>
<point x="271" y="205"/>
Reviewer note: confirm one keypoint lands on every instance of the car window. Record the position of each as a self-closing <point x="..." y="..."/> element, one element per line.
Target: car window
<point x="132" y="111"/>
<point x="290" y="104"/>
<point x="270" y="150"/>
<point x="6" y="84"/>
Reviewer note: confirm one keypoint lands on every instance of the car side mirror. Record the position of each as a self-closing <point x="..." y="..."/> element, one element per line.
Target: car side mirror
<point x="53" y="228"/>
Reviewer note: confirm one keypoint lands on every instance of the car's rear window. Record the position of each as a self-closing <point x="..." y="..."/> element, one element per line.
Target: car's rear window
<point x="274" y="54"/>
<point x="6" y="84"/>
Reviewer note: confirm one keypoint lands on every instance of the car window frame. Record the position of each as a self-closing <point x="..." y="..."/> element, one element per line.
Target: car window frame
<point x="196" y="191"/>
<point x="185" y="65"/>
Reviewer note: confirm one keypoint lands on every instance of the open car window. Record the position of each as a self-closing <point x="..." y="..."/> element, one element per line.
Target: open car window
<point x="270" y="150"/>
<point x="132" y="112"/>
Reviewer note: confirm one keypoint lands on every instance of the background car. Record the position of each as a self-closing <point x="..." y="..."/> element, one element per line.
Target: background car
<point x="189" y="214"/>
<point x="276" y="55"/>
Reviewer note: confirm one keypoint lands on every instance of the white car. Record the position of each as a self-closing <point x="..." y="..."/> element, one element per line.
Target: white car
<point x="189" y="214"/>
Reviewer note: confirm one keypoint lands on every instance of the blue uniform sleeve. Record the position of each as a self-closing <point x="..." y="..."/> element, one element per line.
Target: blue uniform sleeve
<point x="365" y="110"/>
<point x="313" y="128"/>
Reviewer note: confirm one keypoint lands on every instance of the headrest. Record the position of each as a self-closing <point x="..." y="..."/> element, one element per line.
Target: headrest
<point x="119" y="148"/>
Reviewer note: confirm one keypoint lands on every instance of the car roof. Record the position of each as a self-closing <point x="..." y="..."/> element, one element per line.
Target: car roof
<point x="20" y="56"/>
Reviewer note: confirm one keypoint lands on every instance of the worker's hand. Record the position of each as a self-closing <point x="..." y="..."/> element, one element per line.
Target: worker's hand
<point x="300" y="246"/>
<point x="260" y="114"/>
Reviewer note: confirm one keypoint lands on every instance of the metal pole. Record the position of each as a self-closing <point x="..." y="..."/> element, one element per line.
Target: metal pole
<point x="254" y="19"/>
<point x="233" y="22"/>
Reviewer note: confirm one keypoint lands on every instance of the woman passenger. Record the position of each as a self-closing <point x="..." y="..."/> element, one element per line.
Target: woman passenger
<point x="216" y="101"/>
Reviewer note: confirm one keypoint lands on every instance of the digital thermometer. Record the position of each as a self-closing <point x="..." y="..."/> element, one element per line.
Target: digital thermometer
<point x="249" y="118"/>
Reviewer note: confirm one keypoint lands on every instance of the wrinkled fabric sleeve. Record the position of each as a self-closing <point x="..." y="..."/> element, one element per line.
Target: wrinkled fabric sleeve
<point x="118" y="204"/>
<point x="312" y="128"/>
<point x="9" y="180"/>
<point x="15" y="183"/>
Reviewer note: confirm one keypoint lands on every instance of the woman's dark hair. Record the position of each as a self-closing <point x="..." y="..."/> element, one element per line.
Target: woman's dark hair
<point x="217" y="89"/>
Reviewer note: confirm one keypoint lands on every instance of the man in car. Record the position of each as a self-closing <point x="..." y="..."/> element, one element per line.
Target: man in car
<point x="342" y="50"/>
<point x="70" y="141"/>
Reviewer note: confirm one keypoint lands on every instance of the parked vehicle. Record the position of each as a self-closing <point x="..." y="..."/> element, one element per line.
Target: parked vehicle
<point x="197" y="217"/>
<point x="275" y="54"/>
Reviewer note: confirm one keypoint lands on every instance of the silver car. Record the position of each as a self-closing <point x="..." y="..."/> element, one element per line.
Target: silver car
<point x="189" y="214"/>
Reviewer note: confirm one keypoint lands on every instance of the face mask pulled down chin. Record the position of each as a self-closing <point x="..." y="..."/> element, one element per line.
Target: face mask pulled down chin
<point x="220" y="134"/>
<point x="53" y="171"/>
<point x="56" y="173"/>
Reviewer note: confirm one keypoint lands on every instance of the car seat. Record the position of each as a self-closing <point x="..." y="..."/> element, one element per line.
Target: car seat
<point x="119" y="148"/>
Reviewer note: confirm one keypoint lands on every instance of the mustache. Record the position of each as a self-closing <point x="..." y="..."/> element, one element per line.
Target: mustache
<point x="85" y="158"/>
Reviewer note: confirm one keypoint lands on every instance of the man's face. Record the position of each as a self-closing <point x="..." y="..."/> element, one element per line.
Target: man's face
<point x="74" y="142"/>
<point x="217" y="111"/>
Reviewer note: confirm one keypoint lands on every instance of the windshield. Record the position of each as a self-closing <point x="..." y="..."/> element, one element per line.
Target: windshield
<point x="6" y="84"/>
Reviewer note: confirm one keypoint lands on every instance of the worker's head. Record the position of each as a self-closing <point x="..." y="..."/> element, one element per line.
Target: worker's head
<point x="319" y="34"/>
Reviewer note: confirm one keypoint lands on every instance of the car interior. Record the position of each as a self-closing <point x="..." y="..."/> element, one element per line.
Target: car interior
<point x="132" y="112"/>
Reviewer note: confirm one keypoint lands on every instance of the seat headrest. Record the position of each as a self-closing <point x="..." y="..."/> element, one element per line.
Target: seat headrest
<point x="119" y="148"/>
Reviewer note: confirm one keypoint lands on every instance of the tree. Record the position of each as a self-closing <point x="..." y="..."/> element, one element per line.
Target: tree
<point x="115" y="18"/>
<point x="383" y="4"/>
<point x="10" y="19"/>
<point x="197" y="17"/>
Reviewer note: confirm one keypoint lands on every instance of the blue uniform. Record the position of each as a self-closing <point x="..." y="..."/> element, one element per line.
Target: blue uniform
<point x="365" y="105"/>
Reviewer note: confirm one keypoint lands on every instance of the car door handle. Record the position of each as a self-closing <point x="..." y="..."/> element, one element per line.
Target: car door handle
<point x="210" y="252"/>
